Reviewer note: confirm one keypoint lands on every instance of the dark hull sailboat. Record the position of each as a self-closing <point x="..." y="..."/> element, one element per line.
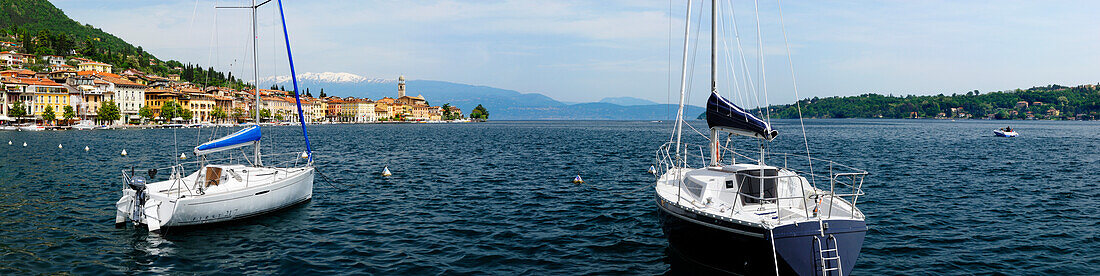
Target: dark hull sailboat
<point x="749" y="217"/>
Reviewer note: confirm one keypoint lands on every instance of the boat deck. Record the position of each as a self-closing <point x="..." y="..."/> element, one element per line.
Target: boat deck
<point x="714" y="192"/>
<point x="218" y="179"/>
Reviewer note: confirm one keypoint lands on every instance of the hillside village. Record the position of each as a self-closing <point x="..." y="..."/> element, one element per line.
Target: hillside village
<point x="70" y="89"/>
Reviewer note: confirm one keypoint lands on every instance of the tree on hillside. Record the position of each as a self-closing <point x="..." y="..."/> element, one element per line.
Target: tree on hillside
<point x="146" y="112"/>
<point x="446" y="111"/>
<point x="218" y="113"/>
<point x="479" y="113"/>
<point x="69" y="113"/>
<point x="169" y="110"/>
<point x="108" y="112"/>
<point x="238" y="113"/>
<point x="17" y="110"/>
<point x="186" y="114"/>
<point x="265" y="114"/>
<point x="48" y="114"/>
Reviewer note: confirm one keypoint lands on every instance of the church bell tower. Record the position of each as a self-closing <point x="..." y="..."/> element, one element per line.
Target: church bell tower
<point x="400" y="87"/>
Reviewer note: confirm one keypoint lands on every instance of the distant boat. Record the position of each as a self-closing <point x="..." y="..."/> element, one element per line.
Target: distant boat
<point x="32" y="127"/>
<point x="85" y="125"/>
<point x="749" y="217"/>
<point x="1005" y="132"/>
<point x="221" y="192"/>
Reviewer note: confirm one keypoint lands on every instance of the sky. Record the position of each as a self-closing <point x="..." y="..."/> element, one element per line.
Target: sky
<point x="581" y="51"/>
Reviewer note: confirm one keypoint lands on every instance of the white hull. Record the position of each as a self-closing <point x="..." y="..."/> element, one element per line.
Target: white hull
<point x="259" y="191"/>
<point x="32" y="128"/>
<point x="1002" y="133"/>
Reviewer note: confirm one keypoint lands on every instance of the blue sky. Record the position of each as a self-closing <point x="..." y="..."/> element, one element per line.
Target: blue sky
<point x="587" y="50"/>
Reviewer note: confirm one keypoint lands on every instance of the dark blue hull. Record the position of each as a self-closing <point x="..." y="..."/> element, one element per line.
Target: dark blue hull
<point x="700" y="244"/>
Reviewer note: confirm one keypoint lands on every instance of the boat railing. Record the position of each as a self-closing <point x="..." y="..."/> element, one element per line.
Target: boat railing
<point x="176" y="171"/>
<point x="832" y="179"/>
<point x="667" y="159"/>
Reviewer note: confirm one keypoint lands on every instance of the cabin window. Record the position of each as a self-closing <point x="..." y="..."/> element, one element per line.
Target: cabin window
<point x="753" y="183"/>
<point x="693" y="187"/>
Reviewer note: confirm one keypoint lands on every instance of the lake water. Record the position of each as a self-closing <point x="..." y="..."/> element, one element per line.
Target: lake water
<point x="943" y="198"/>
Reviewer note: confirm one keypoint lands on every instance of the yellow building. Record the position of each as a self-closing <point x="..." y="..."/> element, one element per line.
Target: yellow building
<point x="47" y="93"/>
<point x="156" y="97"/>
<point x="94" y="66"/>
<point x="201" y="106"/>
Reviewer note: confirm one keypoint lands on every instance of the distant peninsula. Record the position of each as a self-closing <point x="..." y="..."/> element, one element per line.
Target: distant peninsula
<point x="1052" y="102"/>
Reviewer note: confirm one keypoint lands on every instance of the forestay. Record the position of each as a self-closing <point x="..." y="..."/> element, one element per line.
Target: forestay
<point x="244" y="137"/>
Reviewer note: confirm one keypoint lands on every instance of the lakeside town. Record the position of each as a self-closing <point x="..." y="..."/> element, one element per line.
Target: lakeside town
<point x="80" y="91"/>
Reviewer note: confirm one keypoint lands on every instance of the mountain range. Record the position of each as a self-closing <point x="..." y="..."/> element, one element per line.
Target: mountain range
<point x="503" y="104"/>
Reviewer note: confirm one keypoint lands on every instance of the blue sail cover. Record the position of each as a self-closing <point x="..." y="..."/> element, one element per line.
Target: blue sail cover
<point x="726" y="116"/>
<point x="241" y="138"/>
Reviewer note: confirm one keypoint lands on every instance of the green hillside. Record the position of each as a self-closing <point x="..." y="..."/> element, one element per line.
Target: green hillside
<point x="40" y="28"/>
<point x="1045" y="102"/>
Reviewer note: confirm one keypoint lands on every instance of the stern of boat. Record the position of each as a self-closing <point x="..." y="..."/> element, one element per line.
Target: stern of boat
<point x="810" y="251"/>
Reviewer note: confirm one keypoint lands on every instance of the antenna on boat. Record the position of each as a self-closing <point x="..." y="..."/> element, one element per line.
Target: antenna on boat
<point x="255" y="68"/>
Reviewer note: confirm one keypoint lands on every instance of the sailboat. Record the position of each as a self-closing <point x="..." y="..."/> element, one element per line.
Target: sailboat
<point x="741" y="214"/>
<point x="218" y="192"/>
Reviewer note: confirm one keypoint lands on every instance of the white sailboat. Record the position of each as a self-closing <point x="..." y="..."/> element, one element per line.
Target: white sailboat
<point x="741" y="214"/>
<point x="221" y="192"/>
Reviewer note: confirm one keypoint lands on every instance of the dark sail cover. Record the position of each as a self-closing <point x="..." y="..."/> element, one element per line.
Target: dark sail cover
<point x="726" y="116"/>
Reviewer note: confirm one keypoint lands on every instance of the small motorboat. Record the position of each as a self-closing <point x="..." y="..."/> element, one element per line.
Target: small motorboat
<point x="1005" y="132"/>
<point x="32" y="127"/>
<point x="84" y="125"/>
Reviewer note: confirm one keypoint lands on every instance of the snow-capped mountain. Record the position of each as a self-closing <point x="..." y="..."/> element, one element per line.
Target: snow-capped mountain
<point x="330" y="77"/>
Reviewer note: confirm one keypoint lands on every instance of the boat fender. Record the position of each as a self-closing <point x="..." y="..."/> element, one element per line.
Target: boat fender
<point x="578" y="180"/>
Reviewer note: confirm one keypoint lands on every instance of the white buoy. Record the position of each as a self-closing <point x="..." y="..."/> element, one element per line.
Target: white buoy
<point x="305" y="155"/>
<point x="85" y="148"/>
<point x="386" y="171"/>
<point x="183" y="156"/>
<point x="652" y="170"/>
<point x="578" y="180"/>
<point x="123" y="152"/>
<point x="24" y="144"/>
<point x="59" y="146"/>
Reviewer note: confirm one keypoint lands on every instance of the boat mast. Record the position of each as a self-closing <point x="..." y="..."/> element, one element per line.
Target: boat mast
<point x="714" y="147"/>
<point x="256" y="76"/>
<point x="683" y="80"/>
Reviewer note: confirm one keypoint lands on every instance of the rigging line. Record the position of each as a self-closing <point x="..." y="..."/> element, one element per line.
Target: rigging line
<point x="274" y="48"/>
<point x="797" y="100"/>
<point x="760" y="52"/>
<point x="668" y="92"/>
<point x="731" y="75"/>
<point x="741" y="92"/>
<point x="750" y="86"/>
